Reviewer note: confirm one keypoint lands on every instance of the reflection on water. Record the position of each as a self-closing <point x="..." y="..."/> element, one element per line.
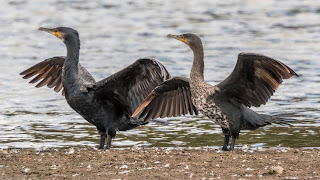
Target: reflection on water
<point x="114" y="34"/>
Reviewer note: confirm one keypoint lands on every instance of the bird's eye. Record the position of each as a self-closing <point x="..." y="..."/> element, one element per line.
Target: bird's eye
<point x="182" y="39"/>
<point x="55" y="32"/>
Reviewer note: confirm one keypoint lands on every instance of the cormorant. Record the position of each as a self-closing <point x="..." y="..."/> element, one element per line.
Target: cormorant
<point x="108" y="103"/>
<point x="252" y="82"/>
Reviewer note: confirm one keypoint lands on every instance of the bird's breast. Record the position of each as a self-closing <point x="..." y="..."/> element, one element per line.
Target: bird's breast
<point x="82" y="104"/>
<point x="204" y="101"/>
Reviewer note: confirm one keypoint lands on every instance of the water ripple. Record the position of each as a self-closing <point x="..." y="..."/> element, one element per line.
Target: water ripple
<point x="114" y="34"/>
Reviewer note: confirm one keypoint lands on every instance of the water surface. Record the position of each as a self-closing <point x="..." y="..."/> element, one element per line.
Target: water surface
<point x="115" y="34"/>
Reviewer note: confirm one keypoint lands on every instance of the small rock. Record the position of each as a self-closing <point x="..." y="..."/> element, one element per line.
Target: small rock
<point x="53" y="166"/>
<point x="26" y="170"/>
<point x="274" y="170"/>
<point x="124" y="167"/>
<point x="277" y="169"/>
<point x="124" y="172"/>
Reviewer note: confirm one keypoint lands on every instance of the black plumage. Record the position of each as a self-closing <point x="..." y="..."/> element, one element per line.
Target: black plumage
<point x="108" y="103"/>
<point x="172" y="98"/>
<point x="252" y="82"/>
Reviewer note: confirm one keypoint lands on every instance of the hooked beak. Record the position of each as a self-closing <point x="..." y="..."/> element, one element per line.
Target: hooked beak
<point x="46" y="30"/>
<point x="177" y="37"/>
<point x="51" y="31"/>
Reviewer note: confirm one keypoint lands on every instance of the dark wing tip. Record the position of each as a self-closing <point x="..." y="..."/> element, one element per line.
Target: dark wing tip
<point x="292" y="72"/>
<point x="295" y="74"/>
<point x="288" y="69"/>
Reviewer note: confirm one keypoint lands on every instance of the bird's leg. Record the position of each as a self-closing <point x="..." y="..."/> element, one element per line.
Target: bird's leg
<point x="111" y="135"/>
<point x="102" y="138"/>
<point x="226" y="143"/>
<point x="109" y="138"/>
<point x="233" y="142"/>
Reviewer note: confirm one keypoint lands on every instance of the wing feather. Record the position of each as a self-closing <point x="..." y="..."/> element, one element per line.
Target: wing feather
<point x="173" y="98"/>
<point x="48" y="71"/>
<point x="135" y="82"/>
<point x="255" y="79"/>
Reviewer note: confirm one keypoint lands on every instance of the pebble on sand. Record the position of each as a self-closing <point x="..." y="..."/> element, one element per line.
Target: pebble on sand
<point x="277" y="170"/>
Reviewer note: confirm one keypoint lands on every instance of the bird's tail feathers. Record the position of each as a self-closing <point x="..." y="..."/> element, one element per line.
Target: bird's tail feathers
<point x="255" y="119"/>
<point x="281" y="120"/>
<point x="258" y="120"/>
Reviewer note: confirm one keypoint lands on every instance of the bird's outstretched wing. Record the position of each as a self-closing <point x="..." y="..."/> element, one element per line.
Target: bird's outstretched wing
<point x="171" y="98"/>
<point x="130" y="86"/>
<point x="254" y="79"/>
<point x="48" y="71"/>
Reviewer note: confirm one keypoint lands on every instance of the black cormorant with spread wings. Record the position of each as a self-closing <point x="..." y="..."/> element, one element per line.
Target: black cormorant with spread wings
<point x="107" y="104"/>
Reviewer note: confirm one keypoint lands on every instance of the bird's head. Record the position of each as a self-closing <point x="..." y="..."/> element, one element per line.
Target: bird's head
<point x="63" y="33"/>
<point x="192" y="40"/>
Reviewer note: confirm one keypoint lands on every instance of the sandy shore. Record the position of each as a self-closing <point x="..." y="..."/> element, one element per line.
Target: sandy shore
<point x="158" y="163"/>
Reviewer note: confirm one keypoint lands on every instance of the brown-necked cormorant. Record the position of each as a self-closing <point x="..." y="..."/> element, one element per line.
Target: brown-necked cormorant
<point x="252" y="82"/>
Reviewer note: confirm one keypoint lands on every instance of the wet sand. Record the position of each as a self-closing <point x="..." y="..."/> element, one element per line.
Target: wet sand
<point x="158" y="163"/>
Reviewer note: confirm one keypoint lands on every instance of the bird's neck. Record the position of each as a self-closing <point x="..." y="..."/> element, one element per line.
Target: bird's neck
<point x="72" y="55"/>
<point x="196" y="74"/>
<point x="70" y="69"/>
